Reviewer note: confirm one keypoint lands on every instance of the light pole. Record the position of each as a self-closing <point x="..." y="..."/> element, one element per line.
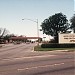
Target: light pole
<point x="37" y="27"/>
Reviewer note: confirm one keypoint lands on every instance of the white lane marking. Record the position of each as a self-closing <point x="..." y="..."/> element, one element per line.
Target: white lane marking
<point x="57" y="64"/>
<point x="18" y="58"/>
<point x="39" y="56"/>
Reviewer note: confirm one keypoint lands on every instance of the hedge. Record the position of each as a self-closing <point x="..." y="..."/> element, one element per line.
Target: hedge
<point x="56" y="45"/>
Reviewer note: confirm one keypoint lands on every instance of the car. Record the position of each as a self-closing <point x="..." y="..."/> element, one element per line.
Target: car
<point x="16" y="42"/>
<point x="27" y="42"/>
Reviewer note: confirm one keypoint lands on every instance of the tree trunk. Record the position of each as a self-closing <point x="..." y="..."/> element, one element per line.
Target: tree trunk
<point x="74" y="30"/>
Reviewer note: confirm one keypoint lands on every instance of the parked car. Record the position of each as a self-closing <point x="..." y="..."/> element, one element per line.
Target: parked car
<point x="17" y="42"/>
<point x="27" y="42"/>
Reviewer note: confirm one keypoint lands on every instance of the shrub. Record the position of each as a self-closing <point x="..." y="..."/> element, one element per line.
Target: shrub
<point x="56" y="45"/>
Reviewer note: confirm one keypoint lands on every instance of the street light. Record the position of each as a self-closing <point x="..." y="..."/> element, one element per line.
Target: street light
<point x="37" y="26"/>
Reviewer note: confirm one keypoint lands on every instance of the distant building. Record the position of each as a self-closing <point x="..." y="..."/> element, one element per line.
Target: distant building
<point x="19" y="38"/>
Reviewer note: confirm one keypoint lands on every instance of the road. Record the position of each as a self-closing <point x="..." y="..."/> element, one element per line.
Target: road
<point x="20" y="59"/>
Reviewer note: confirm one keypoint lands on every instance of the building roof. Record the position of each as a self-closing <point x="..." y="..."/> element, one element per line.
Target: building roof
<point x="19" y="38"/>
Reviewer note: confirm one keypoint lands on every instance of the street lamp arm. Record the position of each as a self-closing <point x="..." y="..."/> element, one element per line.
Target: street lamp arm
<point x="31" y="20"/>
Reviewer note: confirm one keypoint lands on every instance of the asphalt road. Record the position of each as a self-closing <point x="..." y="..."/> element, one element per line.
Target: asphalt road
<point x="22" y="60"/>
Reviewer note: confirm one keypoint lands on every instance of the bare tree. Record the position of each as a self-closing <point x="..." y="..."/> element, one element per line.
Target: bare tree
<point x="3" y="32"/>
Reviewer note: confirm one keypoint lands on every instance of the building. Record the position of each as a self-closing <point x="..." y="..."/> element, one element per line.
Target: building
<point x="24" y="39"/>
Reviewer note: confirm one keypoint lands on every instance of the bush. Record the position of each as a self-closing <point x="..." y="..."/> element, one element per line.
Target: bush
<point x="56" y="45"/>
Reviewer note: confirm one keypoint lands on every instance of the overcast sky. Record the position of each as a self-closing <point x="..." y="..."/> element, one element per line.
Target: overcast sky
<point x="13" y="11"/>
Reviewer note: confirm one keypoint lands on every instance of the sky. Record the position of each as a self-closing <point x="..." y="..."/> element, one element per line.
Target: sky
<point x="13" y="11"/>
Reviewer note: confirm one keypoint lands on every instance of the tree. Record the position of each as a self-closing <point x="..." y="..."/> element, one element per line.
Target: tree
<point x="3" y="33"/>
<point x="72" y="20"/>
<point x="55" y="24"/>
